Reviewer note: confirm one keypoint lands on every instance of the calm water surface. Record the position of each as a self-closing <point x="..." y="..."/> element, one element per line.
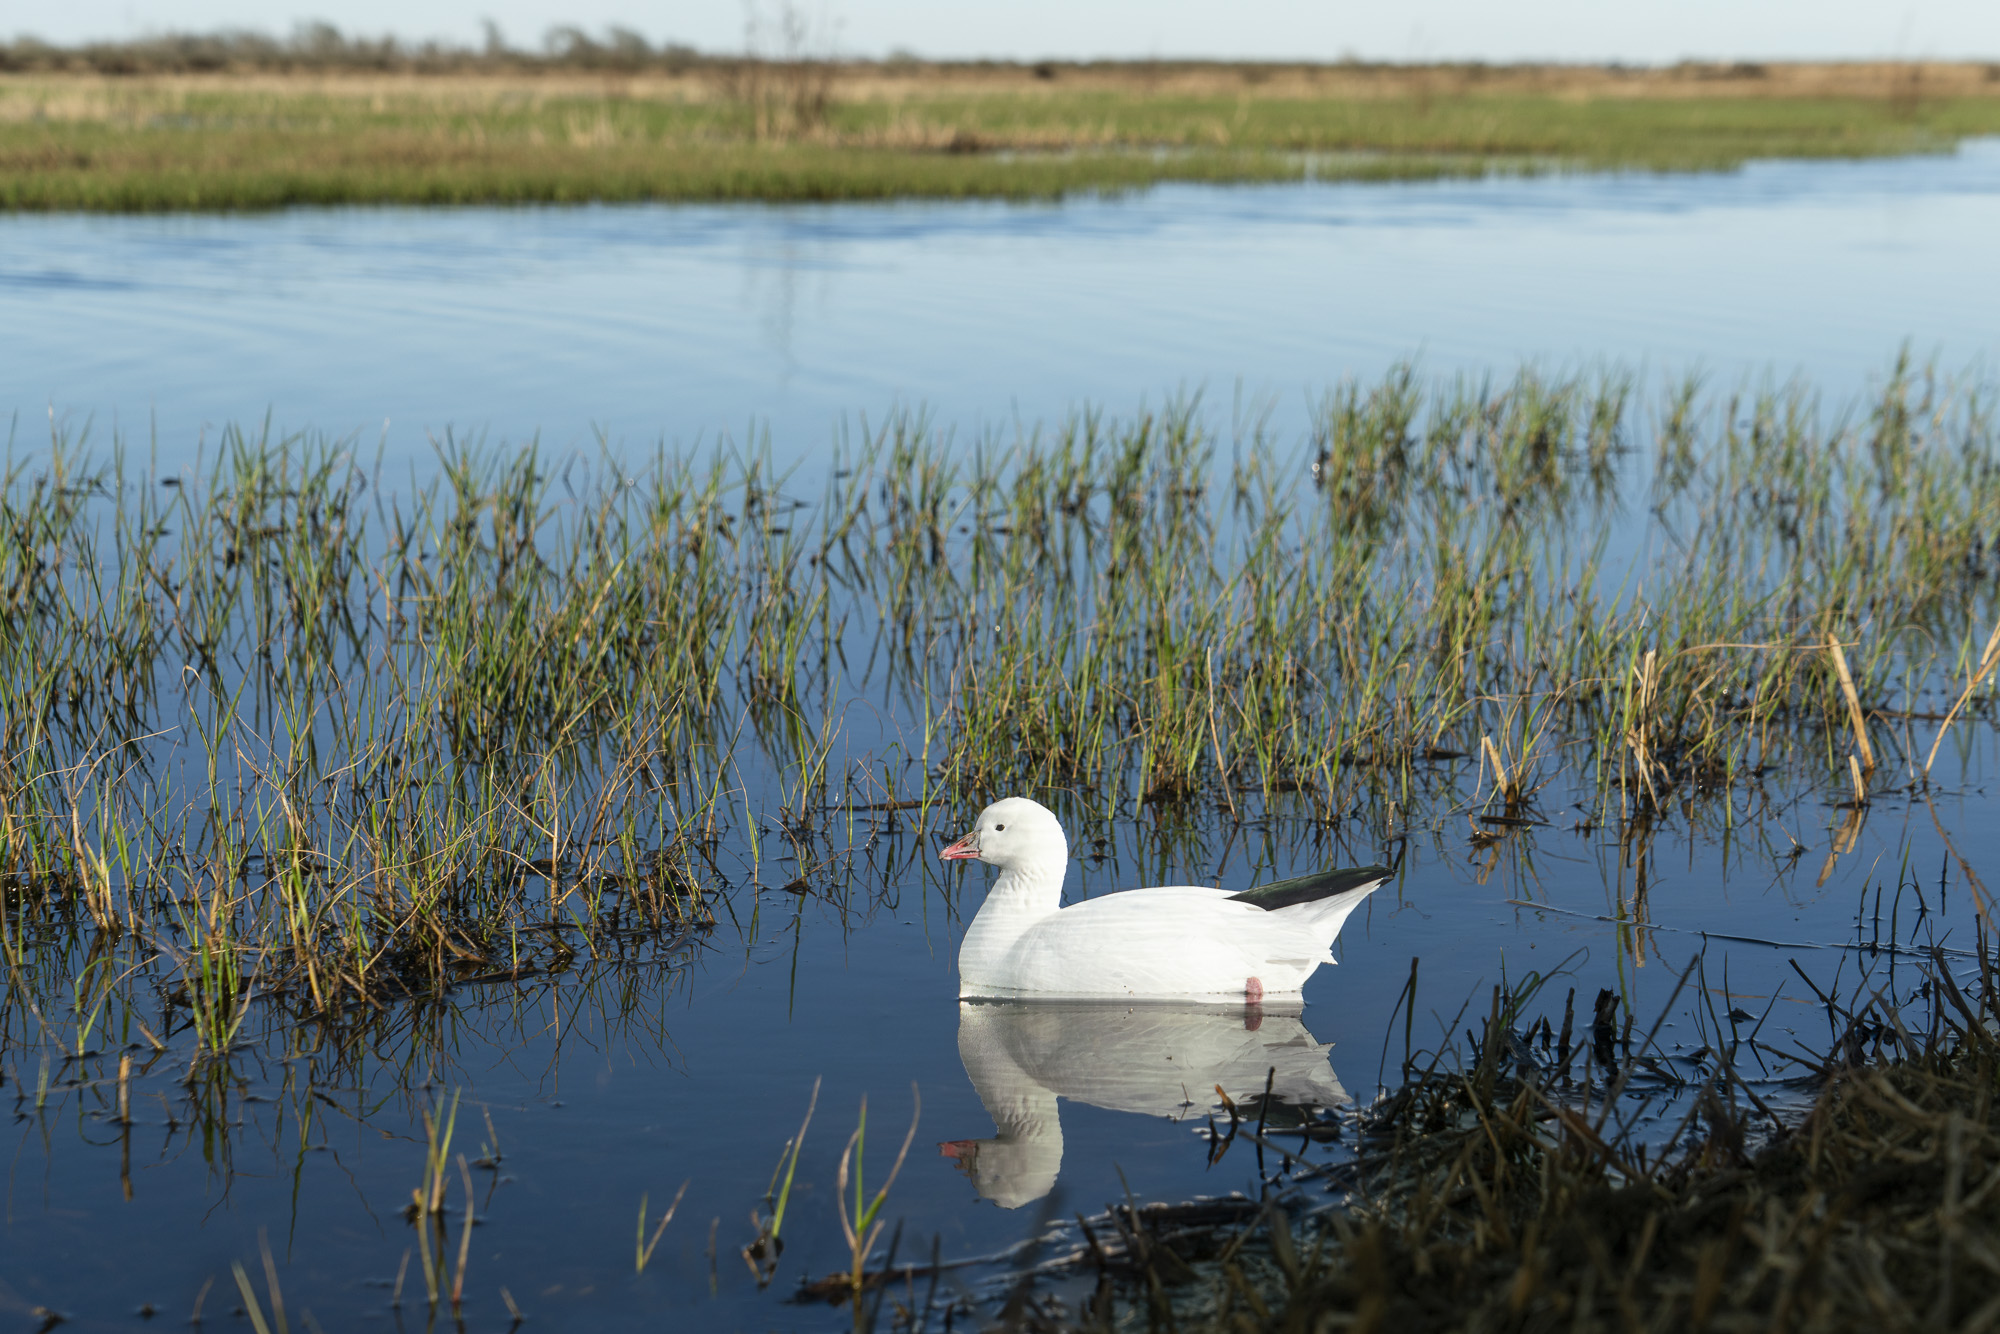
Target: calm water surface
<point x="694" y="1063"/>
<point x="648" y="324"/>
<point x="632" y="1077"/>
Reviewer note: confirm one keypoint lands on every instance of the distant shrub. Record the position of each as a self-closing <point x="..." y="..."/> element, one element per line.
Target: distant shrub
<point x="318" y="45"/>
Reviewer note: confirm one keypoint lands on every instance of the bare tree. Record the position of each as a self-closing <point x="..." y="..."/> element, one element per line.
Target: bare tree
<point x="785" y="78"/>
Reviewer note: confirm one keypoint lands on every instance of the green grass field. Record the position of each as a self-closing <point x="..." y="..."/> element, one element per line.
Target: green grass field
<point x="252" y="140"/>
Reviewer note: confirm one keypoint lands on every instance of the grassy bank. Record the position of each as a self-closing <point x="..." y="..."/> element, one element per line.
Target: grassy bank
<point x="240" y="135"/>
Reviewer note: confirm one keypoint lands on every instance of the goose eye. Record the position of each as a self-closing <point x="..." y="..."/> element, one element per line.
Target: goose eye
<point x="999" y="828"/>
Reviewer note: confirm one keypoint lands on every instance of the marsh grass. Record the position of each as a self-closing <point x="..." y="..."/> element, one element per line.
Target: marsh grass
<point x="642" y="1248"/>
<point x="764" y="1249"/>
<point x="277" y="734"/>
<point x="861" y="1225"/>
<point x="1515" y="1181"/>
<point x="807" y="129"/>
<point x="277" y="1324"/>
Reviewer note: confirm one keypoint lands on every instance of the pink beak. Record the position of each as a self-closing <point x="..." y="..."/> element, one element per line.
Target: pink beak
<point x="966" y="849"/>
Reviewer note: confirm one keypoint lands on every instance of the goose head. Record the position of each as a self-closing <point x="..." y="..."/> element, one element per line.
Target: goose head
<point x="1014" y="834"/>
<point x="1012" y="1169"/>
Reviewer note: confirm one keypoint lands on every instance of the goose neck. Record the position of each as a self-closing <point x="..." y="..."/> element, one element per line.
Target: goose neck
<point x="1031" y="889"/>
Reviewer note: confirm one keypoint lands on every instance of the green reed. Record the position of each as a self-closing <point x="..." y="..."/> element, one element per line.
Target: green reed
<point x="313" y="736"/>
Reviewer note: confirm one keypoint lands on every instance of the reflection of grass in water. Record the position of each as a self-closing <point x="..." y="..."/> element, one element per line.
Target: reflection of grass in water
<point x="212" y="142"/>
<point x="246" y="1126"/>
<point x="309" y="740"/>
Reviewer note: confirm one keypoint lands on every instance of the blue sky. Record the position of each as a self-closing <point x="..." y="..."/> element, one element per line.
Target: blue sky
<point x="1658" y="32"/>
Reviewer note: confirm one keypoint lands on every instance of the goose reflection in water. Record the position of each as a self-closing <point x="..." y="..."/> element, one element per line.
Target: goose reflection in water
<point x="1155" y="1059"/>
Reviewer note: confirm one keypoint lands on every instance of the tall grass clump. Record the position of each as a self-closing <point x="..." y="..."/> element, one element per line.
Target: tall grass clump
<point x="1445" y="566"/>
<point x="1517" y="1180"/>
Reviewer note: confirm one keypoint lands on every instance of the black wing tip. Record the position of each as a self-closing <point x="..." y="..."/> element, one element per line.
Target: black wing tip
<point x="1309" y="888"/>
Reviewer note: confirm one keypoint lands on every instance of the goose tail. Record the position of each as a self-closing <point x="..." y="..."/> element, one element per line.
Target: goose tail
<point x="1315" y="887"/>
<point x="1322" y="902"/>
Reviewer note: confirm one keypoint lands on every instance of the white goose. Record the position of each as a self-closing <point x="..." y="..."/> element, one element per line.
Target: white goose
<point x="1185" y="941"/>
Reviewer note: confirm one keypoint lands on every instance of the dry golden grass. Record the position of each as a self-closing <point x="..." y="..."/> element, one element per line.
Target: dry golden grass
<point x="102" y="97"/>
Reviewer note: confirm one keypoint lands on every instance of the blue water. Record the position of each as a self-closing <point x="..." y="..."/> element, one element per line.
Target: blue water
<point x="642" y="324"/>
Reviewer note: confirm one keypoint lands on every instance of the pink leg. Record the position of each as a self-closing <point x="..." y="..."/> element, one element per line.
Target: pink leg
<point x="1253" y="992"/>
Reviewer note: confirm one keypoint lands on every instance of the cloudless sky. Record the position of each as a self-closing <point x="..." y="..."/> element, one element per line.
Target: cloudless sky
<point x="1657" y="32"/>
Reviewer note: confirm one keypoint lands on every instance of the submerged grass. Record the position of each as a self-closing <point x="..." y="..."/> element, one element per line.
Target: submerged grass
<point x="294" y="738"/>
<point x="249" y="140"/>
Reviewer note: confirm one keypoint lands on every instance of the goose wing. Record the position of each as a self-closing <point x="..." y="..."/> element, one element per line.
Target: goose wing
<point x="1173" y="940"/>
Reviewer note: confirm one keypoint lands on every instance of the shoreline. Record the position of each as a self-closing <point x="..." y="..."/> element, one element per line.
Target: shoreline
<point x="804" y="131"/>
